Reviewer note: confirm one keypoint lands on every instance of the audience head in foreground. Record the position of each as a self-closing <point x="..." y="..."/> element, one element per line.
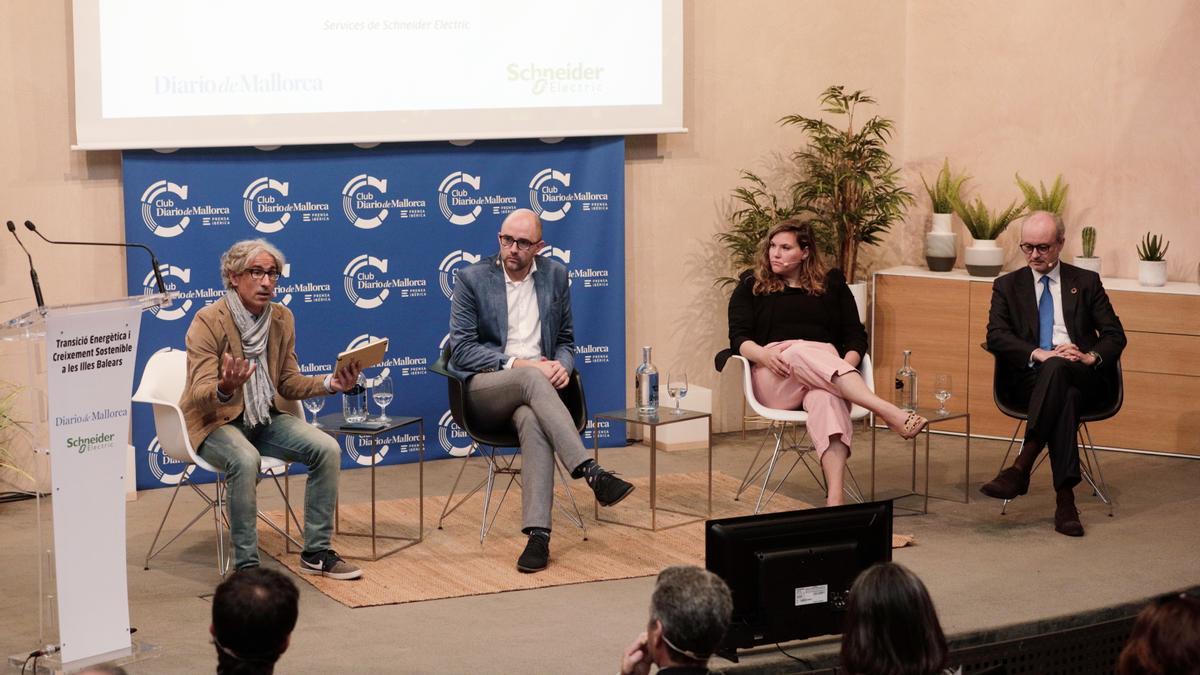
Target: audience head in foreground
<point x="689" y="614"/>
<point x="254" y="612"/>
<point x="891" y="625"/>
<point x="1165" y="638"/>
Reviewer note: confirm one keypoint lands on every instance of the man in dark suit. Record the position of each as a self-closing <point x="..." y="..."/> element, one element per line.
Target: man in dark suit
<point x="512" y="340"/>
<point x="1057" y="340"/>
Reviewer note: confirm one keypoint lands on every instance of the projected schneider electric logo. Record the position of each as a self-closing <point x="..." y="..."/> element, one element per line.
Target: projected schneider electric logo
<point x="268" y="209"/>
<point x="367" y="283"/>
<point x="550" y="196"/>
<point x="366" y="207"/>
<point x="166" y="212"/>
<point x="461" y="200"/>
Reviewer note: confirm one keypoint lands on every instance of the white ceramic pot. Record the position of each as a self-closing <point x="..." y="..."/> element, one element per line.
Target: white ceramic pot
<point x="859" y="291"/>
<point x="1152" y="272"/>
<point x="1092" y="263"/>
<point x="941" y="250"/>
<point x="942" y="222"/>
<point x="984" y="258"/>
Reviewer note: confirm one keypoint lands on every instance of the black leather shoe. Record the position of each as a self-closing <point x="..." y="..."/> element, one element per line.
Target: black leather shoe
<point x="1066" y="521"/>
<point x="536" y="555"/>
<point x="1008" y="484"/>
<point x="608" y="488"/>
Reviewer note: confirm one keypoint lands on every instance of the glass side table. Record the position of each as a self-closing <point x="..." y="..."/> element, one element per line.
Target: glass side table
<point x="934" y="418"/>
<point x="332" y="425"/>
<point x="663" y="417"/>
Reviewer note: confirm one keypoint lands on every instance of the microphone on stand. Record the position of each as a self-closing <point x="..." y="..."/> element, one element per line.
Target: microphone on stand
<point x="37" y="287"/>
<point x="162" y="288"/>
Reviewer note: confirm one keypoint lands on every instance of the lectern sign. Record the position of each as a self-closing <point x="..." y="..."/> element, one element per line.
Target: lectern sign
<point x="90" y="360"/>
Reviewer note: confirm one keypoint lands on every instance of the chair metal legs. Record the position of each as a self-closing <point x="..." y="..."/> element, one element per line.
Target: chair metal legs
<point x="778" y="430"/>
<point x="503" y="465"/>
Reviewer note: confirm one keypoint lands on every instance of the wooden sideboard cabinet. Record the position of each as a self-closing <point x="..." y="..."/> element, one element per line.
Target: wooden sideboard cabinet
<point x="942" y="318"/>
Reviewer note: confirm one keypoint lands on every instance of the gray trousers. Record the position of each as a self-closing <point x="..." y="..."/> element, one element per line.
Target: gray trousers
<point x="544" y="426"/>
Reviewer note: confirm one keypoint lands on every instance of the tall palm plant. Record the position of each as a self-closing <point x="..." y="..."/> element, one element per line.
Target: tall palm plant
<point x="848" y="182"/>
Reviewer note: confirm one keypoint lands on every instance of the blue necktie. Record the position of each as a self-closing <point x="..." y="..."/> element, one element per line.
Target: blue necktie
<point x="1046" y="316"/>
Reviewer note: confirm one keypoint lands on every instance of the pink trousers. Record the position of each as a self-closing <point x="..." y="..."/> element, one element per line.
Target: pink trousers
<point x="810" y="387"/>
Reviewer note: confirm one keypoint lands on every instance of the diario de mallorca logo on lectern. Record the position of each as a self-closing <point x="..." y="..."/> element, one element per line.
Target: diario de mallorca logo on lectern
<point x="550" y="196"/>
<point x="166" y="212"/>
<point x="448" y="269"/>
<point x="366" y="206"/>
<point x="267" y="208"/>
<point x="461" y="203"/>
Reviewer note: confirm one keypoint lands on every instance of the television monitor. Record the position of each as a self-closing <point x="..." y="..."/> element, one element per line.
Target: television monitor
<point x="790" y="573"/>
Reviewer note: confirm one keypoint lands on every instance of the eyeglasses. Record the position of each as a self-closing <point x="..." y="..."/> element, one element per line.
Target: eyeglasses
<point x="522" y="244"/>
<point x="1040" y="248"/>
<point x="257" y="274"/>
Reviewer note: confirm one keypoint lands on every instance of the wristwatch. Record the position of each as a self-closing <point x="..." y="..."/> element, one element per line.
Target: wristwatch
<point x="1096" y="355"/>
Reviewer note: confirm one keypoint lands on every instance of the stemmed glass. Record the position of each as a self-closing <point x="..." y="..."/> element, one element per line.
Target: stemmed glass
<point x="314" y="405"/>
<point x="677" y="388"/>
<point x="382" y="393"/>
<point x="942" y="391"/>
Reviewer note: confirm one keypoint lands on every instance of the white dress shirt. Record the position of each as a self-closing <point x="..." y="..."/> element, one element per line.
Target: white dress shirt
<point x="524" y="321"/>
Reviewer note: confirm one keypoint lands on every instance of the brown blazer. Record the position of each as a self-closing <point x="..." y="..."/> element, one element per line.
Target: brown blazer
<point x="213" y="333"/>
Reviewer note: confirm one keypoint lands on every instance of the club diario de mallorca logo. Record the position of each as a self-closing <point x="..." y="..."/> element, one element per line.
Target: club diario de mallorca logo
<point x="448" y="269"/>
<point x="591" y="277"/>
<point x="452" y="438"/>
<point x="367" y="285"/>
<point x="366" y="207"/>
<point x="166" y="214"/>
<point x="265" y="204"/>
<point x="461" y="203"/>
<point x="166" y="469"/>
<point x="551" y="198"/>
<point x="402" y="442"/>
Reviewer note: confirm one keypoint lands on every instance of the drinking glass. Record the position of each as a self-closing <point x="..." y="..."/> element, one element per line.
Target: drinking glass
<point x="314" y="405"/>
<point x="677" y="388"/>
<point x="382" y="394"/>
<point x="942" y="389"/>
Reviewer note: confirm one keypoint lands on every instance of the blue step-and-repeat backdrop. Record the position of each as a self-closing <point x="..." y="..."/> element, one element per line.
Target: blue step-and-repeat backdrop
<point x="373" y="239"/>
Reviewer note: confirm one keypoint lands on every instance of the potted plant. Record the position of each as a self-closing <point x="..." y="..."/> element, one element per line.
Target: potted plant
<point x="1152" y="254"/>
<point x="941" y="248"/>
<point x="8" y="427"/>
<point x="1040" y="199"/>
<point x="983" y="257"/>
<point x="848" y="183"/>
<point x="1088" y="260"/>
<point x="760" y="210"/>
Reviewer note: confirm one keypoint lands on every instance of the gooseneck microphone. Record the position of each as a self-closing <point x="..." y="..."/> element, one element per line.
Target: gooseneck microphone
<point x="162" y="288"/>
<point x="37" y="287"/>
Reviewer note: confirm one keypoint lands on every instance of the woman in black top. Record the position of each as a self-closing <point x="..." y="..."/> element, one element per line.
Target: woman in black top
<point x="797" y="324"/>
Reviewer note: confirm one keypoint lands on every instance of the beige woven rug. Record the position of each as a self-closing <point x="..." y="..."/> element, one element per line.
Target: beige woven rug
<point x="450" y="562"/>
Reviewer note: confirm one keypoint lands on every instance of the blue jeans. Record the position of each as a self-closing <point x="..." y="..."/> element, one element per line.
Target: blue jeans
<point x="236" y="451"/>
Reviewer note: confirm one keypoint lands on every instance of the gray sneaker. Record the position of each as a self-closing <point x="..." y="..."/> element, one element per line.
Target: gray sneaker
<point x="329" y="564"/>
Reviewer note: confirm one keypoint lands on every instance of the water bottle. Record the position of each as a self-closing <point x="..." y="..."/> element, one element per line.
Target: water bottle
<point x="645" y="380"/>
<point x="906" y="385"/>
<point x="354" y="403"/>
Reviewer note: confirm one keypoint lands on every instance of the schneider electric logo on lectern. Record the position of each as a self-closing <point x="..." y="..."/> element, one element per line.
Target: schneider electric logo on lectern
<point x="84" y="444"/>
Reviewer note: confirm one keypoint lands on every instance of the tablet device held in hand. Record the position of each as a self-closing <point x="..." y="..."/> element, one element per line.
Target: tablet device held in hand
<point x="370" y="354"/>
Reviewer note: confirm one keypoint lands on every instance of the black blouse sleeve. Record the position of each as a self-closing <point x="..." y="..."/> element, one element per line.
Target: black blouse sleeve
<point x="852" y="336"/>
<point x="741" y="314"/>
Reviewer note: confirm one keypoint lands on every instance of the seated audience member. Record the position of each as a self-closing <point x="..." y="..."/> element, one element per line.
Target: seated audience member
<point x="1165" y="639"/>
<point x="1057" y="341"/>
<point x="891" y="626"/>
<point x="689" y="614"/>
<point x="797" y="324"/>
<point x="253" y="614"/>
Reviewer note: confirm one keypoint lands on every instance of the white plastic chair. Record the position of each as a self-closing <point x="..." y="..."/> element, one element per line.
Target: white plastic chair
<point x="781" y="423"/>
<point x="161" y="386"/>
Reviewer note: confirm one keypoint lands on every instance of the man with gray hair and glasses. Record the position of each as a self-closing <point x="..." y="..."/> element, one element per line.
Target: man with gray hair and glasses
<point x="689" y="614"/>
<point x="241" y="360"/>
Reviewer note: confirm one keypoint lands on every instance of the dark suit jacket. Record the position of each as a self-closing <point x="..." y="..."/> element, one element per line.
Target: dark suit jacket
<point x="213" y="333"/>
<point x="479" y="316"/>
<point x="1012" y="331"/>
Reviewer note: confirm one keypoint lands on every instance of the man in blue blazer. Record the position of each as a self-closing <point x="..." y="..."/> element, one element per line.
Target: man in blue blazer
<point x="512" y="340"/>
<point x="1057" y="340"/>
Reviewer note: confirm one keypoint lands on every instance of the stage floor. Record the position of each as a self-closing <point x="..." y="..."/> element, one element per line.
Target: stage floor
<point x="986" y="572"/>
